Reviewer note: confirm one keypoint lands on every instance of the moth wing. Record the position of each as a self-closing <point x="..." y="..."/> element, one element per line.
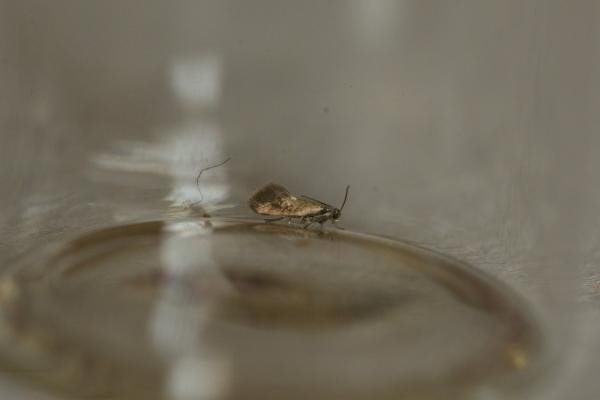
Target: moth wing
<point x="315" y="201"/>
<point x="305" y="207"/>
<point x="267" y="200"/>
<point x="268" y="194"/>
<point x="275" y="200"/>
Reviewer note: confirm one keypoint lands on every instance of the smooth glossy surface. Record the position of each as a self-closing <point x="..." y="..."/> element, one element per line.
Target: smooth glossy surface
<point x="204" y="308"/>
<point x="468" y="127"/>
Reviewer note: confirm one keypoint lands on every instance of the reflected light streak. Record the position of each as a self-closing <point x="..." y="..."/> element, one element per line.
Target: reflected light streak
<point x="177" y="324"/>
<point x="186" y="149"/>
<point x="178" y="320"/>
<point x="196" y="81"/>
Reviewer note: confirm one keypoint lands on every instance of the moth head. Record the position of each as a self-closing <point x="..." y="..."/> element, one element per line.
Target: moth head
<point x="336" y="213"/>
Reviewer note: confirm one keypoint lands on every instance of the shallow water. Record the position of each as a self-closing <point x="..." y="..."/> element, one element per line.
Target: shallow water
<point x="467" y="127"/>
<point x="234" y="308"/>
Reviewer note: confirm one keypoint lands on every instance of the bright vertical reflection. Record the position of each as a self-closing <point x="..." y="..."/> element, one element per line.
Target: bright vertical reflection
<point x="182" y="150"/>
<point x="200" y="143"/>
<point x="196" y="81"/>
<point x="177" y="325"/>
<point x="179" y="318"/>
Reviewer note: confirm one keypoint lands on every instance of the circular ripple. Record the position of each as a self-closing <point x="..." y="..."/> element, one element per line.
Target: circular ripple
<point x="238" y="309"/>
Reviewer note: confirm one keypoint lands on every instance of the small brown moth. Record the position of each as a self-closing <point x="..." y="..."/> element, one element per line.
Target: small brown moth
<point x="276" y="201"/>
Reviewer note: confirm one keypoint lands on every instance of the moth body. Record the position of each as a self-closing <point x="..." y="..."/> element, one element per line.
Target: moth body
<point x="276" y="201"/>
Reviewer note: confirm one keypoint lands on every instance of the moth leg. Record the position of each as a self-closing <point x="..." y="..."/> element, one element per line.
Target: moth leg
<point x="310" y="222"/>
<point x="268" y="221"/>
<point x="294" y="220"/>
<point x="297" y="220"/>
<point x="338" y="226"/>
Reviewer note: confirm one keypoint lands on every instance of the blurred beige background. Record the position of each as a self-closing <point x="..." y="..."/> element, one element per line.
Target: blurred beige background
<point x="468" y="126"/>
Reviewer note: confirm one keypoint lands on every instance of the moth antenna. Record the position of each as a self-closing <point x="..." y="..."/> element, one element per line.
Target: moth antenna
<point x="345" y="198"/>
<point x="207" y="168"/>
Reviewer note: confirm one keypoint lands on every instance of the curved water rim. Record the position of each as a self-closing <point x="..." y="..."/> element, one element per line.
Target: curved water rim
<point x="273" y="309"/>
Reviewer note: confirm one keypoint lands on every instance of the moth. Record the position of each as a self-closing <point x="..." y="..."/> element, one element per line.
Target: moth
<point x="276" y="201"/>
